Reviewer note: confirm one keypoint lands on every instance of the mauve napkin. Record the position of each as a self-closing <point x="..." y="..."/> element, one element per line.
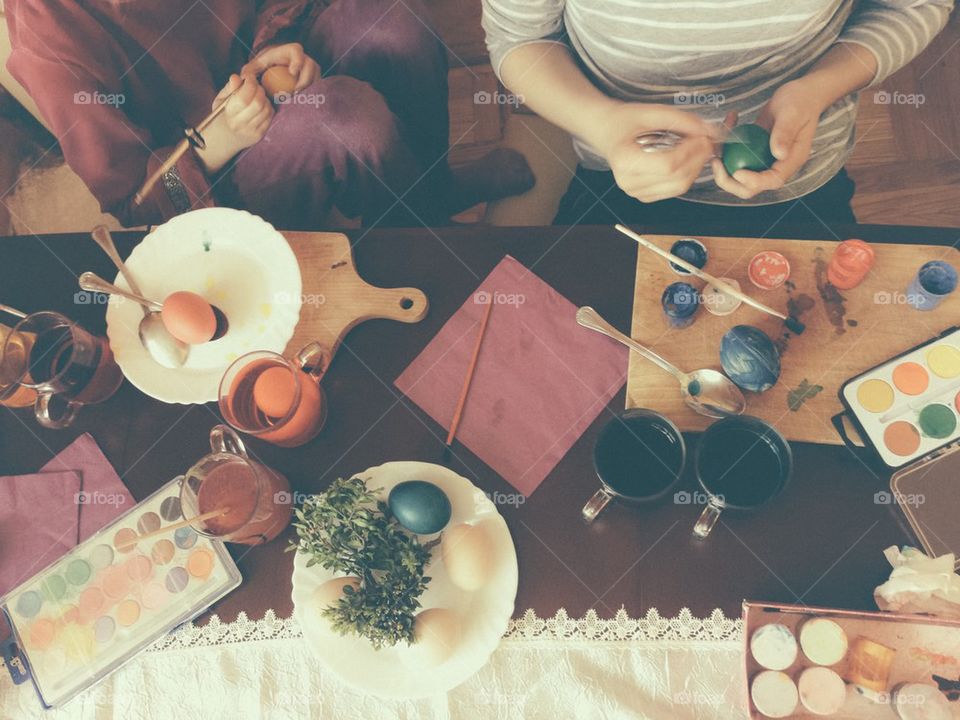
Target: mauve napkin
<point x="38" y="523"/>
<point x="104" y="494"/>
<point x="45" y="514"/>
<point x="540" y="380"/>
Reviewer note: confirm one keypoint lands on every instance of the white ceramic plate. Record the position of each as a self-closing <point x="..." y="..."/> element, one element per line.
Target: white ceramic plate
<point x="484" y="614"/>
<point x="238" y="262"/>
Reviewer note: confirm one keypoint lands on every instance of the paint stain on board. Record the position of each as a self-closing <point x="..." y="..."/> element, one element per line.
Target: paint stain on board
<point x="833" y="301"/>
<point x="800" y="394"/>
<point x="797" y="305"/>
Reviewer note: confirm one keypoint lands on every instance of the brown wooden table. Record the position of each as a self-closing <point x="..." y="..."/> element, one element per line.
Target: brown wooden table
<point x="819" y="543"/>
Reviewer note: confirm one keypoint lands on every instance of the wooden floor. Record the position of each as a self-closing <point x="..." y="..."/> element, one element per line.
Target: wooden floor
<point x="906" y="163"/>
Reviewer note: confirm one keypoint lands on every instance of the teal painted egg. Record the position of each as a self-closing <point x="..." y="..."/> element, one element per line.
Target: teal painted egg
<point x="421" y="507"/>
<point x="749" y="358"/>
<point x="747" y="148"/>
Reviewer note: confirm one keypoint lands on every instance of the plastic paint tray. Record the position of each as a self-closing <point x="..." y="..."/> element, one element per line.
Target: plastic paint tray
<point x="89" y="612"/>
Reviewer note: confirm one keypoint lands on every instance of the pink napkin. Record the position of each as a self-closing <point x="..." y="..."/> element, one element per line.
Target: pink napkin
<point x="540" y="380"/>
<point x="38" y="523"/>
<point x="104" y="496"/>
<point x="45" y="514"/>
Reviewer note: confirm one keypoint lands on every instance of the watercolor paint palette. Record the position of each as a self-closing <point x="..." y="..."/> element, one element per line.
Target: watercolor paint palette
<point x="89" y="612"/>
<point x="908" y="407"/>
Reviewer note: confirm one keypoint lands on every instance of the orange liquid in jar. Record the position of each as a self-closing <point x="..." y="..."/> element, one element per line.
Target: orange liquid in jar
<point x="257" y="500"/>
<point x="306" y="421"/>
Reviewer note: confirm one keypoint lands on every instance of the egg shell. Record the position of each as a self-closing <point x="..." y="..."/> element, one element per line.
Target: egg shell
<point x="420" y="506"/>
<point x="278" y="80"/>
<point x="747" y="148"/>
<point x="749" y="358"/>
<point x="328" y="595"/>
<point x="436" y="636"/>
<point x="189" y="318"/>
<point x="275" y="391"/>
<point x="468" y="556"/>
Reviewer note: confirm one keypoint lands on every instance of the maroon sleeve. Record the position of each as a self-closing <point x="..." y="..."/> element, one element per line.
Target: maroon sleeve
<point x="111" y="154"/>
<point x="280" y="21"/>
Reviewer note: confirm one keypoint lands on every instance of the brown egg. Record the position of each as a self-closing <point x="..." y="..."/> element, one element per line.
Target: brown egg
<point x="189" y="318"/>
<point x="436" y="635"/>
<point x="278" y="80"/>
<point x="467" y="556"/>
<point x="275" y="391"/>
<point x="328" y="595"/>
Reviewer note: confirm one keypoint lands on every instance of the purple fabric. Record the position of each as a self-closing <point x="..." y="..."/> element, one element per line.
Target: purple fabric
<point x="362" y="137"/>
<point x="45" y="514"/>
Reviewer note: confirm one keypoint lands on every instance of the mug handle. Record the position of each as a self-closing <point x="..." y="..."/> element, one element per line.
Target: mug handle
<point x="708" y="519"/>
<point x="48" y="417"/>
<point x="224" y="440"/>
<point x="595" y="505"/>
<point x="313" y="359"/>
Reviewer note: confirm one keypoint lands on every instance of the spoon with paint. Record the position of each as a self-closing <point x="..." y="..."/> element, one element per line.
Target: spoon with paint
<point x="185" y="315"/>
<point x="709" y="392"/>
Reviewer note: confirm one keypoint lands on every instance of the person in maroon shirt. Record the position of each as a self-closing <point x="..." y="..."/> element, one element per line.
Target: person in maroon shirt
<point x="367" y="131"/>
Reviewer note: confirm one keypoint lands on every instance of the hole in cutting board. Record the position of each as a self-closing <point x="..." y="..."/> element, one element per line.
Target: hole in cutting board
<point x="406" y="303"/>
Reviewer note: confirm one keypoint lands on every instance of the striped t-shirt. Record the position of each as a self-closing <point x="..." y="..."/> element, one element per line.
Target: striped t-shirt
<point x="713" y="56"/>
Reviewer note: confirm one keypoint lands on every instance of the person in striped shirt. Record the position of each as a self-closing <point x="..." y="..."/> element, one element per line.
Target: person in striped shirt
<point x="608" y="70"/>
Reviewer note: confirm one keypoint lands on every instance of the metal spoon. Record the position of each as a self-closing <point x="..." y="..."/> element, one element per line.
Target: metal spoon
<point x="159" y="343"/>
<point x="709" y="392"/>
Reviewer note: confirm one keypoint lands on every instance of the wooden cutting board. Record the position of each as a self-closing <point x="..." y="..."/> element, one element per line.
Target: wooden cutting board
<point x="847" y="331"/>
<point x="335" y="297"/>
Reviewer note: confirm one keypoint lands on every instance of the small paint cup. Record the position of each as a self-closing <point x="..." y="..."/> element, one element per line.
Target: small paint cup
<point x="768" y="269"/>
<point x="718" y="302"/>
<point x="680" y="302"/>
<point x="691" y="250"/>
<point x="932" y="283"/>
<point x="821" y="691"/>
<point x="849" y="264"/>
<point x="774" y="694"/>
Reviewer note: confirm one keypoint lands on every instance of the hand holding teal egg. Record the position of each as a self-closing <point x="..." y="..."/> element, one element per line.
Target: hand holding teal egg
<point x="747" y="148"/>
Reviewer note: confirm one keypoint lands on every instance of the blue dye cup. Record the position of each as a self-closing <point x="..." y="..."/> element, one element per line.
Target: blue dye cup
<point x="691" y="250"/>
<point x="680" y="302"/>
<point x="932" y="283"/>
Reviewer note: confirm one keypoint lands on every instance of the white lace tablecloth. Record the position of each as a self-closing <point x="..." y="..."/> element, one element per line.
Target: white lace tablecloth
<point x="680" y="668"/>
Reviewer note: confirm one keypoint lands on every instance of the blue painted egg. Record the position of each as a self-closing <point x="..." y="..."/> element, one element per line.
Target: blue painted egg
<point x="750" y="358"/>
<point x="421" y="507"/>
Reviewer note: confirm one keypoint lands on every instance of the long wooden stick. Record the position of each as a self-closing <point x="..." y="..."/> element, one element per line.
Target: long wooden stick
<point x="175" y="526"/>
<point x="178" y="153"/>
<point x="468" y="379"/>
<point x="791" y="322"/>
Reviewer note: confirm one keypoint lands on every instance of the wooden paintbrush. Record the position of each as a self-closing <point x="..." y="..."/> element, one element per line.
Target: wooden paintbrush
<point x="792" y="323"/>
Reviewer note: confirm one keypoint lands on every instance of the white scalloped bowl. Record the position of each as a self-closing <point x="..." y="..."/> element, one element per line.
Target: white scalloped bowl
<point x="484" y="614"/>
<point x="238" y="262"/>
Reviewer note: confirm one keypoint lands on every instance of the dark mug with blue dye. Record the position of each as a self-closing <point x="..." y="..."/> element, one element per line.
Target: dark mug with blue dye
<point x="932" y="283"/>
<point x="680" y="302"/>
<point x="742" y="463"/>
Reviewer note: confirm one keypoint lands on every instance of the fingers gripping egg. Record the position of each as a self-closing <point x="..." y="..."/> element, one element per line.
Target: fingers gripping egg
<point x="328" y="595"/>
<point x="468" y="556"/>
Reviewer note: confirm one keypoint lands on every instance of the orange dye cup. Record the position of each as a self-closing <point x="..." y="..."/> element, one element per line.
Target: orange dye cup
<point x="278" y="400"/>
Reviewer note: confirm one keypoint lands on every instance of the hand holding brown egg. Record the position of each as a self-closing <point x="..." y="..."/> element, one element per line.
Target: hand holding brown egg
<point x="283" y="69"/>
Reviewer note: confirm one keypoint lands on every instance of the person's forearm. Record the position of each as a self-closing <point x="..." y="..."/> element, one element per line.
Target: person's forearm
<point x="843" y="69"/>
<point x="547" y="80"/>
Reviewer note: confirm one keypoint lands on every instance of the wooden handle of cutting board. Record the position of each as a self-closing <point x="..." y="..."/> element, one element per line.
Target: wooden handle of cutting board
<point x="407" y="305"/>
